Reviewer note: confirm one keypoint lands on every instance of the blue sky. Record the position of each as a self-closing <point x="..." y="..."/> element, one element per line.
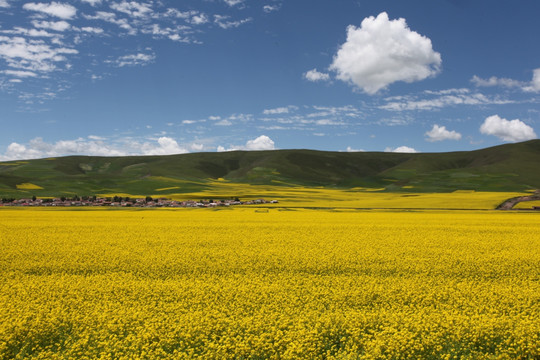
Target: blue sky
<point x="117" y="77"/>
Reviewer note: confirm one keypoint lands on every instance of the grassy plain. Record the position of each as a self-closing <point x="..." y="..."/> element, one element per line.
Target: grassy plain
<point x="289" y="283"/>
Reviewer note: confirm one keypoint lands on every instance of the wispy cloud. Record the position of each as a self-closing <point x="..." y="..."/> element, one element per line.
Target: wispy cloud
<point x="32" y="55"/>
<point x="309" y="117"/>
<point x="92" y="2"/>
<point x="224" y="22"/>
<point x="280" y="110"/>
<point x="19" y="73"/>
<point x="271" y="8"/>
<point x="139" y="59"/>
<point x="61" y="31"/>
<point x="436" y="100"/>
<point x="233" y="2"/>
<point x="133" y="8"/>
<point x="527" y="86"/>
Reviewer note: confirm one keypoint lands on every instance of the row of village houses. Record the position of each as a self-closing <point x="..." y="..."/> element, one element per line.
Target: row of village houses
<point x="139" y="202"/>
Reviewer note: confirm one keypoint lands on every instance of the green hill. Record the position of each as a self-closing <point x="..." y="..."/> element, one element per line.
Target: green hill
<point x="509" y="167"/>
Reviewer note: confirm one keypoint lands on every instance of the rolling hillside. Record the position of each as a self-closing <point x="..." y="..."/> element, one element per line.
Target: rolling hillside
<point x="509" y="167"/>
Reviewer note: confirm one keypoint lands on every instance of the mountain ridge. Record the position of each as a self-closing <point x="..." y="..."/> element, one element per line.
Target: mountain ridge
<point x="507" y="167"/>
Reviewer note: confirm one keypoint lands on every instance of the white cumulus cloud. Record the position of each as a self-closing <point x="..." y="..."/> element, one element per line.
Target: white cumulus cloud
<point x="440" y="133"/>
<point x="197" y="147"/>
<point x="507" y="130"/>
<point x="263" y="142"/>
<point x="4" y="4"/>
<point x="350" y="149"/>
<point x="384" y="51"/>
<point x="314" y="75"/>
<point x="401" y="149"/>
<point x="94" y="146"/>
<point x="165" y="146"/>
<point x="37" y="148"/>
<point x="63" y="11"/>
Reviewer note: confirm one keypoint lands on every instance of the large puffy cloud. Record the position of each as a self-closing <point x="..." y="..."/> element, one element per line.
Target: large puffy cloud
<point x="440" y="133"/>
<point x="263" y="142"/>
<point x="507" y="130"/>
<point x="63" y="11"/>
<point x="384" y="51"/>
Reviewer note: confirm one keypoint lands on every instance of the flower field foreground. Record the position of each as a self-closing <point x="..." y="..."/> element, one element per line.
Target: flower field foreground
<point x="241" y="284"/>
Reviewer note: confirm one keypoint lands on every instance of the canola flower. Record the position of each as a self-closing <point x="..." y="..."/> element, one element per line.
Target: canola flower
<point x="240" y="284"/>
<point x="28" y="186"/>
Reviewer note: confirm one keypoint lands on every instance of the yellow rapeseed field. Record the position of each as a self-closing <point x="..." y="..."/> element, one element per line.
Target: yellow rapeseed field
<point x="242" y="284"/>
<point x="319" y="197"/>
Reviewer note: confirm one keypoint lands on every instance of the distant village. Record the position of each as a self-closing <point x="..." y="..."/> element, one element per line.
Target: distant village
<point x="119" y="201"/>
